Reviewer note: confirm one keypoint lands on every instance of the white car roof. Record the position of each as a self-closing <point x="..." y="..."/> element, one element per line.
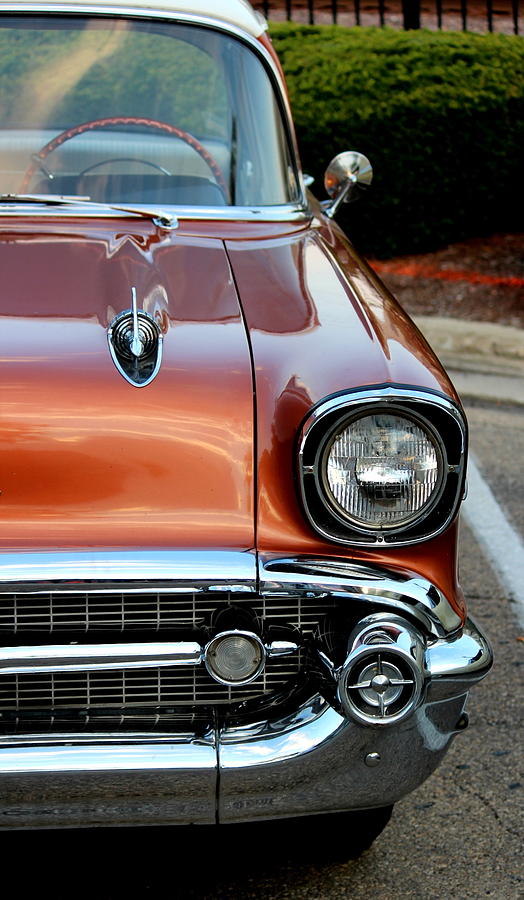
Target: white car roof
<point x="234" y="12"/>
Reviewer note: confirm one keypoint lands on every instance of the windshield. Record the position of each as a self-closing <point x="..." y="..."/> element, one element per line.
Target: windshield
<point x="132" y="111"/>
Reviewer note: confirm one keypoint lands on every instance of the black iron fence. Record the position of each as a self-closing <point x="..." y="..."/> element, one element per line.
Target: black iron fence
<point x="462" y="15"/>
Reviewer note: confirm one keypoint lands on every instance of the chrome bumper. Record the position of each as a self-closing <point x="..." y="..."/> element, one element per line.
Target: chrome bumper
<point x="316" y="760"/>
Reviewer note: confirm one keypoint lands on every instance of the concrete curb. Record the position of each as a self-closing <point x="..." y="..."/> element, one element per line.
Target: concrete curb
<point x="485" y="361"/>
<point x="490" y="388"/>
<point x="495" y="344"/>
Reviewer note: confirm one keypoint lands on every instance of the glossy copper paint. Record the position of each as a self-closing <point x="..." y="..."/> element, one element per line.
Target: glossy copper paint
<point x="86" y="459"/>
<point x="321" y="322"/>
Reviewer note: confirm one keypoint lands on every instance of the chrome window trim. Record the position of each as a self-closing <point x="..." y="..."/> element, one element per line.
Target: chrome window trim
<point x="138" y="9"/>
<point x="368" y="399"/>
<point x="283" y="213"/>
<point x="190" y="19"/>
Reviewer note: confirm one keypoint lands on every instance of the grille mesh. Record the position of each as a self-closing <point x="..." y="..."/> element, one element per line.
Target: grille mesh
<point x="89" y="697"/>
<point x="134" y="687"/>
<point x="151" y="697"/>
<point x="84" y="612"/>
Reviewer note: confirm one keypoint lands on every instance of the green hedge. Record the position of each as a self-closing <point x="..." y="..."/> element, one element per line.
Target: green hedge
<point x="440" y="116"/>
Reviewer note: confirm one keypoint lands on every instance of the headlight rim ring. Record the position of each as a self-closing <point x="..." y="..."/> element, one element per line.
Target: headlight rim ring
<point x="445" y="417"/>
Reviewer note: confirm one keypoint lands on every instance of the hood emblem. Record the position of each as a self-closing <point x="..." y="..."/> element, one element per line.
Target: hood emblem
<point x="135" y="344"/>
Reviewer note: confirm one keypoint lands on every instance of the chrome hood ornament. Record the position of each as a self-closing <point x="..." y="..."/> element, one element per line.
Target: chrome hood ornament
<point x="135" y="344"/>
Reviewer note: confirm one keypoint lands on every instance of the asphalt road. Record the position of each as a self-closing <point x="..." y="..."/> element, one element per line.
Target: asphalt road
<point x="459" y="836"/>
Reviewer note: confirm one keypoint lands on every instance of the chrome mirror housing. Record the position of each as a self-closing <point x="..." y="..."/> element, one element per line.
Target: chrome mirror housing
<point x="347" y="175"/>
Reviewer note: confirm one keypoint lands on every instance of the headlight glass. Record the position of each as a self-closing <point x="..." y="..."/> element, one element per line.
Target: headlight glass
<point x="382" y="470"/>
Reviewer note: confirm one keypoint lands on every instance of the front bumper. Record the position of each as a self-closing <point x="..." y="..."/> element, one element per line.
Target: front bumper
<point x="318" y="758"/>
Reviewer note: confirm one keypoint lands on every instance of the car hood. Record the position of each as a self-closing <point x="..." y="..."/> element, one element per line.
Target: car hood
<point x="320" y="322"/>
<point x="89" y="460"/>
<point x="86" y="458"/>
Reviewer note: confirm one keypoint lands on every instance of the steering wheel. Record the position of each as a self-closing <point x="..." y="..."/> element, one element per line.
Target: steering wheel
<point x="75" y="130"/>
<point x="124" y="159"/>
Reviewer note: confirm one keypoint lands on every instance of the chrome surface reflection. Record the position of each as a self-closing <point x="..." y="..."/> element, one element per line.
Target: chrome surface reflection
<point x="98" y="657"/>
<point x="230" y="570"/>
<point x="271" y="764"/>
<point x="402" y="592"/>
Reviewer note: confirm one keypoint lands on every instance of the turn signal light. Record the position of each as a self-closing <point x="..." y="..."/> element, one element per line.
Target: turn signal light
<point x="235" y="657"/>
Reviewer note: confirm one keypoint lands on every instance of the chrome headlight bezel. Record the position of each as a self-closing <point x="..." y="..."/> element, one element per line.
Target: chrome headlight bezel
<point x="438" y="416"/>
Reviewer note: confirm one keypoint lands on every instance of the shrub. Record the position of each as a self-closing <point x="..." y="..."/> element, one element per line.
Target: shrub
<point x="440" y="115"/>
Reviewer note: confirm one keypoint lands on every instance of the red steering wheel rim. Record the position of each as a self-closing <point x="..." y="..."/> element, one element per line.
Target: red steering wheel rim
<point x="75" y="130"/>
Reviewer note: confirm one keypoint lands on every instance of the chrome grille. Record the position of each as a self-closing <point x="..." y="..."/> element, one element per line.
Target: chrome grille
<point x="143" y="610"/>
<point x="138" y="688"/>
<point x="137" y="697"/>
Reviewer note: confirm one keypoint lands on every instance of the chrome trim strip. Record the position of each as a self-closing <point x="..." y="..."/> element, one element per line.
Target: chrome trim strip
<point x="382" y="394"/>
<point x="282" y="648"/>
<point x="402" y="592"/>
<point x="221" y="570"/>
<point x="98" y="657"/>
<point x="94" y="737"/>
<point x="144" y="655"/>
<point x="387" y="395"/>
<point x="287" y="213"/>
<point x="178" y="755"/>
<point x="42" y="201"/>
<point x="230" y="571"/>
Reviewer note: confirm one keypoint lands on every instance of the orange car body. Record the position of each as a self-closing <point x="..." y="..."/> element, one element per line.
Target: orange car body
<point x="183" y="602"/>
<point x="88" y="462"/>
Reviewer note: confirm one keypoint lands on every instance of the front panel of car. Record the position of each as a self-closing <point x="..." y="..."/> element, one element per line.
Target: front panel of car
<point x="192" y="627"/>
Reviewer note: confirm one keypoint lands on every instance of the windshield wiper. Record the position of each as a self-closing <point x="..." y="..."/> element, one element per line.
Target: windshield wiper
<point x="158" y="216"/>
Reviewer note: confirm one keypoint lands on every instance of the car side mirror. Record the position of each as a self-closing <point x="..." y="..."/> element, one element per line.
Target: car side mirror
<point x="347" y="175"/>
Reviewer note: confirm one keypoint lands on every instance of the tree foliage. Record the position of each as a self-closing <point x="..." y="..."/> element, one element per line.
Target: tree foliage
<point x="440" y="115"/>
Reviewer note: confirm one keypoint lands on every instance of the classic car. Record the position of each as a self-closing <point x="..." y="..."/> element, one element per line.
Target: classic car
<point x="230" y="466"/>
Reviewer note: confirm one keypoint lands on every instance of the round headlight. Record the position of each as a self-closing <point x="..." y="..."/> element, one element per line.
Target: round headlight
<point x="235" y="657"/>
<point x="382" y="470"/>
